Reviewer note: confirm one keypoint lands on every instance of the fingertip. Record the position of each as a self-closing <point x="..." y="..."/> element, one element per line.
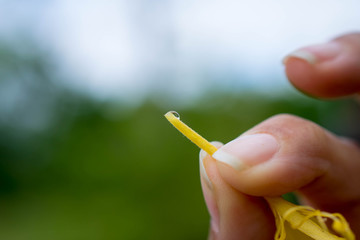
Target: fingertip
<point x="202" y="155"/>
<point x="227" y="207"/>
<point x="326" y="70"/>
<point x="302" y="75"/>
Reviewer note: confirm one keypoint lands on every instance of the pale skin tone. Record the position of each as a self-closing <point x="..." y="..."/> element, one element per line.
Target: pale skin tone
<point x="322" y="168"/>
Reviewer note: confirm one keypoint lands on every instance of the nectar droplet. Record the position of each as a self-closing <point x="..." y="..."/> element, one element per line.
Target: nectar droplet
<point x="176" y="114"/>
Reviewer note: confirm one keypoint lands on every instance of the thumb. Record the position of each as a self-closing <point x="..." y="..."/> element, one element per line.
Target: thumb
<point x="286" y="153"/>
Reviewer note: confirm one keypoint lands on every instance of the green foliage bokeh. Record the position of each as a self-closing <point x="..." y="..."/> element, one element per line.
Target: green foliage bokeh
<point x="104" y="170"/>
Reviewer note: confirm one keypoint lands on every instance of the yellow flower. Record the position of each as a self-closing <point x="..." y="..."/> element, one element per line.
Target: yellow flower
<point x="292" y="221"/>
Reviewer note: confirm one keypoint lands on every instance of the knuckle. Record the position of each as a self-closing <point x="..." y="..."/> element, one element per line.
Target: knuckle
<point x="287" y="126"/>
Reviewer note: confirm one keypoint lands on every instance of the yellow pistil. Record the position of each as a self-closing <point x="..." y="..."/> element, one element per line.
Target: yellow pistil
<point x="288" y="216"/>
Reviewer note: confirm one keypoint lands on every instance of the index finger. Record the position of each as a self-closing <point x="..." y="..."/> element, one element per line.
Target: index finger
<point x="327" y="70"/>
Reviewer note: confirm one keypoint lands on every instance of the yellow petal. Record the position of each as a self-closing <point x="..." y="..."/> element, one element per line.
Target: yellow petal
<point x="296" y="217"/>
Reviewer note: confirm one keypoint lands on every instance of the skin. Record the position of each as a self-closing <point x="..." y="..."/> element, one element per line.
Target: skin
<point x="322" y="168"/>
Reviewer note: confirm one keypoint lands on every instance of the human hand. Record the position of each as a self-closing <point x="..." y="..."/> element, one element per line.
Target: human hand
<point x="286" y="153"/>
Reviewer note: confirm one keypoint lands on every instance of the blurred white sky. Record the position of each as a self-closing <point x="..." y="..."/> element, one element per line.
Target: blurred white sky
<point x="128" y="47"/>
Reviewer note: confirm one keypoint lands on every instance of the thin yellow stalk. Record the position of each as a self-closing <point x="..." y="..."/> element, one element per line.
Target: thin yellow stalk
<point x="174" y="119"/>
<point x="298" y="217"/>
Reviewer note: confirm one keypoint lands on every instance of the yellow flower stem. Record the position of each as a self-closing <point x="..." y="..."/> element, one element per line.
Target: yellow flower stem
<point x="282" y="209"/>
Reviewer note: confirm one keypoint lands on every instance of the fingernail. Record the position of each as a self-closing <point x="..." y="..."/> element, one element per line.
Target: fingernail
<point x="207" y="188"/>
<point x="202" y="155"/>
<point x="301" y="54"/>
<point x="203" y="173"/>
<point x="317" y="53"/>
<point x="247" y="151"/>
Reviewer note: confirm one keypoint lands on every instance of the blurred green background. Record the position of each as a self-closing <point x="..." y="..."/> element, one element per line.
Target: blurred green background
<point x="105" y="170"/>
<point x="76" y="163"/>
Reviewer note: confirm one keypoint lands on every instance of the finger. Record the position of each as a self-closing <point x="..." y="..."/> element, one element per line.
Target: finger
<point x="327" y="70"/>
<point x="233" y="214"/>
<point x="287" y="153"/>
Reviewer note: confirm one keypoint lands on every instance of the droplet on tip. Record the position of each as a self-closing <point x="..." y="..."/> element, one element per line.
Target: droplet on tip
<point x="177" y="115"/>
